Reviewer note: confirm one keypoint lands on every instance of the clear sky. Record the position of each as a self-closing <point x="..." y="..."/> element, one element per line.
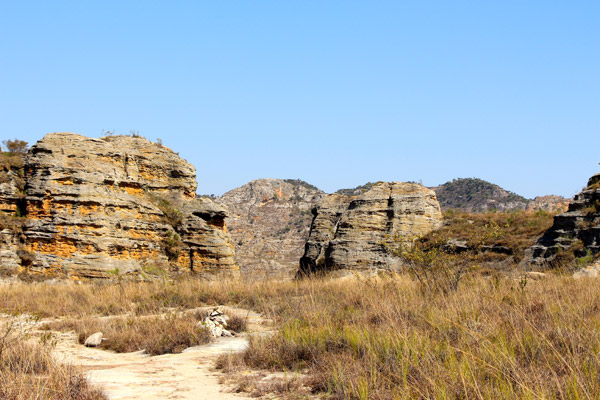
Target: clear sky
<point x="337" y="93"/>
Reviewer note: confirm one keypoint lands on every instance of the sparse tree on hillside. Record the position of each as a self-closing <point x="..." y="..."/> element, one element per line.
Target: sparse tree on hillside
<point x="16" y="146"/>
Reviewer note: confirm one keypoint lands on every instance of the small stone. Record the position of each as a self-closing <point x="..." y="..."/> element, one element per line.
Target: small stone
<point x="534" y="275"/>
<point x="591" y="271"/>
<point x="94" y="340"/>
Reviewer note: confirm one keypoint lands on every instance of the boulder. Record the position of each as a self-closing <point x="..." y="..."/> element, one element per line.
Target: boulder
<point x="591" y="271"/>
<point x="94" y="340"/>
<point x="216" y="323"/>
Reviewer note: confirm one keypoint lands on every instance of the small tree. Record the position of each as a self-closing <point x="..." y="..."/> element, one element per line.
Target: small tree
<point x="16" y="146"/>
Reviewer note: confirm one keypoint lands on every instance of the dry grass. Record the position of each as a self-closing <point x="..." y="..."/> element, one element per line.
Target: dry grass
<point x="489" y="337"/>
<point x="170" y="333"/>
<point x="139" y="298"/>
<point x="493" y="338"/>
<point x="28" y="372"/>
<point x="515" y="230"/>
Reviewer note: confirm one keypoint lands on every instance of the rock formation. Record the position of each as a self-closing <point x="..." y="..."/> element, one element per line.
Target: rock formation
<point x="117" y="205"/>
<point x="577" y="230"/>
<point x="355" y="232"/>
<point x="12" y="207"/>
<point x="269" y="222"/>
<point x="550" y="203"/>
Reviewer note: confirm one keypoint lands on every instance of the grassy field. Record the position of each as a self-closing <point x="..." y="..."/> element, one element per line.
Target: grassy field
<point x="450" y="326"/>
<point x="386" y="337"/>
<point x="493" y="338"/>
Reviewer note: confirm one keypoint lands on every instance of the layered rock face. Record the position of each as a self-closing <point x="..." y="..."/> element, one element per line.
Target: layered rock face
<point x="12" y="206"/>
<point x="579" y="226"/>
<point x="118" y="205"/>
<point x="355" y="232"/>
<point x="269" y="223"/>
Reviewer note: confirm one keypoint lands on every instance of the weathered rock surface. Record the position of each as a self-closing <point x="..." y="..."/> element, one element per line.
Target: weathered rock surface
<point x="12" y="206"/>
<point x="269" y="222"/>
<point x="550" y="203"/>
<point x="591" y="271"/>
<point x="99" y="208"/>
<point x="579" y="227"/>
<point x="355" y="232"/>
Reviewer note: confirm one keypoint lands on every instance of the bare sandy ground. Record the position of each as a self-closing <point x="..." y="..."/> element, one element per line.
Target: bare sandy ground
<point x="188" y="375"/>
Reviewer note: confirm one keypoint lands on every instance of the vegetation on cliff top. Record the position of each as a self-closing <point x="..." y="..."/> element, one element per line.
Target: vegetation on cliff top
<point x="300" y="182"/>
<point x="356" y="190"/>
<point x="472" y="194"/>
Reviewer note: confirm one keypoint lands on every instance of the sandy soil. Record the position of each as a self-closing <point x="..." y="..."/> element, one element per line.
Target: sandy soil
<point x="188" y="375"/>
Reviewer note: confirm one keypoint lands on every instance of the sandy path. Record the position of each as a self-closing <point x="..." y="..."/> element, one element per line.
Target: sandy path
<point x="188" y="375"/>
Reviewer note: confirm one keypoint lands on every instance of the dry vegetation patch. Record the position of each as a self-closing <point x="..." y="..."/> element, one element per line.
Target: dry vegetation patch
<point x="170" y="333"/>
<point x="392" y="337"/>
<point x="491" y="338"/>
<point x="28" y="372"/>
<point x="515" y="231"/>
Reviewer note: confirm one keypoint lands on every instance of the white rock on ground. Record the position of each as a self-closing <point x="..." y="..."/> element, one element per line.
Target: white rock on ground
<point x="94" y="340"/>
<point x="216" y="323"/>
<point x="591" y="271"/>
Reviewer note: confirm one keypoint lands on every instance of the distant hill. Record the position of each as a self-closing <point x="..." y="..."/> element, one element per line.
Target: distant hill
<point x="472" y="194"/>
<point x="477" y="195"/>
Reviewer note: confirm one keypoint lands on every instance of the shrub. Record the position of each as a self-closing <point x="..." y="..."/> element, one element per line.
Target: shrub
<point x="170" y="333"/>
<point x="16" y="146"/>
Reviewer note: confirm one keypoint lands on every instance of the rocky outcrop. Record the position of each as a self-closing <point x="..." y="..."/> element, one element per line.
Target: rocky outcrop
<point x="550" y="203"/>
<point x="577" y="230"/>
<point x="356" y="232"/>
<point x="269" y="222"/>
<point x="118" y="205"/>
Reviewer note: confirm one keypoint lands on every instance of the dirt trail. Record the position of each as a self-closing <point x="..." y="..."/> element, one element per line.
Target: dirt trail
<point x="188" y="375"/>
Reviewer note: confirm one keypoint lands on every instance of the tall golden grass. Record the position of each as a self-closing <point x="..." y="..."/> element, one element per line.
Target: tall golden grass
<point x="490" y="337"/>
<point x="28" y="372"/>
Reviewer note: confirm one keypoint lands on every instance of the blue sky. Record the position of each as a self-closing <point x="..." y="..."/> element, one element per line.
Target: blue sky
<point x="337" y="93"/>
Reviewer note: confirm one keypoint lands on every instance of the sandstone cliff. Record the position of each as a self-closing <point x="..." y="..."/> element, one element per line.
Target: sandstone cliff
<point x="118" y="205"/>
<point x="576" y="231"/>
<point x="354" y="232"/>
<point x="269" y="222"/>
